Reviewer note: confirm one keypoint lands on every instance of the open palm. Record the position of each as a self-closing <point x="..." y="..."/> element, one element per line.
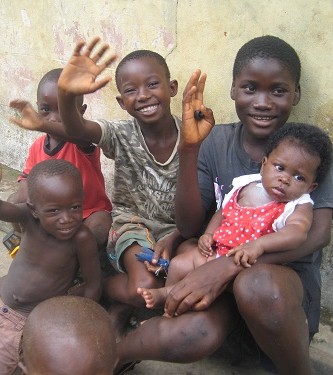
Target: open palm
<point x="80" y="73"/>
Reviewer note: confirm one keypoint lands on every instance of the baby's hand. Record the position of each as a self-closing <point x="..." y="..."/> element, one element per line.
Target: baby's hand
<point x="205" y="244"/>
<point x="29" y="119"/>
<point x="246" y="254"/>
<point x="80" y="73"/>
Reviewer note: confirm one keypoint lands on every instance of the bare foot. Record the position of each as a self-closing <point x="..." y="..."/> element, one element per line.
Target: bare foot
<point x="154" y="298"/>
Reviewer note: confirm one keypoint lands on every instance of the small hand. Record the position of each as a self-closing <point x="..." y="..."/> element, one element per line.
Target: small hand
<point x="205" y="244"/>
<point x="246" y="254"/>
<point x="80" y="73"/>
<point x="29" y="119"/>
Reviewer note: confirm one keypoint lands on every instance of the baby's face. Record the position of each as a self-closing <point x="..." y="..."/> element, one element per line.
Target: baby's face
<point x="289" y="172"/>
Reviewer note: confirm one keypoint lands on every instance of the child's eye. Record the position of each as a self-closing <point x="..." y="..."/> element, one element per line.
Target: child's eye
<point x="52" y="211"/>
<point x="299" y="178"/>
<point x="278" y="91"/>
<point x="129" y="90"/>
<point x="44" y="110"/>
<point x="249" y="89"/>
<point x="153" y="84"/>
<point x="76" y="207"/>
<point x="278" y="167"/>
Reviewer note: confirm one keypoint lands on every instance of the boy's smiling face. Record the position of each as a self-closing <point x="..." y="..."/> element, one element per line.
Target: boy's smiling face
<point x="264" y="93"/>
<point x="145" y="90"/>
<point x="59" y="208"/>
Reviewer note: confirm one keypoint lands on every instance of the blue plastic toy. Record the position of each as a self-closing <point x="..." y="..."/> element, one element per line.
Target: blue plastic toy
<point x="147" y="255"/>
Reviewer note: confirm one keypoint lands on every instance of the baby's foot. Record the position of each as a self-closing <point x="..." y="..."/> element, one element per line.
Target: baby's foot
<point x="154" y="298"/>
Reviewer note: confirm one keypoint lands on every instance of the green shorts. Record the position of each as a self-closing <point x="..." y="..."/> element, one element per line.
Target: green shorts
<point x="127" y="230"/>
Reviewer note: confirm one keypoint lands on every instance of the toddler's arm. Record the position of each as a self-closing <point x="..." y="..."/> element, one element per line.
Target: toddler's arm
<point x="289" y="237"/>
<point x="87" y="253"/>
<point x="13" y="213"/>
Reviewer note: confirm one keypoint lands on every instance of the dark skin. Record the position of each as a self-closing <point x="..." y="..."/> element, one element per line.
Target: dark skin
<point x="98" y="222"/>
<point x="145" y="93"/>
<point x="53" y="247"/>
<point x="197" y="300"/>
<point x="54" y="341"/>
<point x="287" y="173"/>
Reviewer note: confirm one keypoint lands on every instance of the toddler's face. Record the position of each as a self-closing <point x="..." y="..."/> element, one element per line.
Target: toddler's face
<point x="59" y="207"/>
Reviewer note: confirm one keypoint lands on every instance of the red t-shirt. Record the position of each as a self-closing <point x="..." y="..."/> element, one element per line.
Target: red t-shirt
<point x="88" y="162"/>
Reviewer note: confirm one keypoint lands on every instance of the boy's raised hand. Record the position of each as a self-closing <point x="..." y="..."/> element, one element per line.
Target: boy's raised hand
<point x="80" y="73"/>
<point x="29" y="119"/>
<point x="195" y="130"/>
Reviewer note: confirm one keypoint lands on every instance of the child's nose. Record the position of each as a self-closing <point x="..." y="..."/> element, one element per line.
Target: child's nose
<point x="143" y="94"/>
<point x="66" y="216"/>
<point x="284" y="178"/>
<point x="262" y="101"/>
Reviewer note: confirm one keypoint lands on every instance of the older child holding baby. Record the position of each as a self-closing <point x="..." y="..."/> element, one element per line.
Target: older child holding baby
<point x="263" y="213"/>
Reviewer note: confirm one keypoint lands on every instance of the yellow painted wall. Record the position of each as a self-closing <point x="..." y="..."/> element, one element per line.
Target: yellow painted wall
<point x="38" y="35"/>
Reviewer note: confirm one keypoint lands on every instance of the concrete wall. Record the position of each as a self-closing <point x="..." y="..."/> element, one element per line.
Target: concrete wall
<point x="39" y="35"/>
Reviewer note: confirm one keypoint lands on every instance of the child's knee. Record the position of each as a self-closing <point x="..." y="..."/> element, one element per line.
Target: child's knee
<point x="259" y="294"/>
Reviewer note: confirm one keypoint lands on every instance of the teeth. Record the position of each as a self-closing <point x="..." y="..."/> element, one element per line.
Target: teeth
<point x="262" y="118"/>
<point x="148" y="109"/>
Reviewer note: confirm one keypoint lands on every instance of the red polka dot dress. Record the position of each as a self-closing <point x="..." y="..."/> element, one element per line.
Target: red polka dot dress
<point x="244" y="224"/>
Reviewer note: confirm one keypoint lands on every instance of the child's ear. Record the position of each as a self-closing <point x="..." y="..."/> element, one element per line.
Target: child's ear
<point x="232" y="91"/>
<point x="297" y="96"/>
<point x="313" y="187"/>
<point x="120" y="102"/>
<point x="173" y="88"/>
<point x="264" y="161"/>
<point x="83" y="109"/>
<point x="32" y="209"/>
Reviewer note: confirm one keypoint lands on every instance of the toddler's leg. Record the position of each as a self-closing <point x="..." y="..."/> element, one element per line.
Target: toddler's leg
<point x="183" y="264"/>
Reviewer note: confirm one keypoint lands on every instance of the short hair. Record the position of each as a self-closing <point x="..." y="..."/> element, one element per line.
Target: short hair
<point x="53" y="76"/>
<point x="268" y="47"/>
<point x="140" y="54"/>
<point x="313" y="139"/>
<point x="64" y="318"/>
<point x="50" y="168"/>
